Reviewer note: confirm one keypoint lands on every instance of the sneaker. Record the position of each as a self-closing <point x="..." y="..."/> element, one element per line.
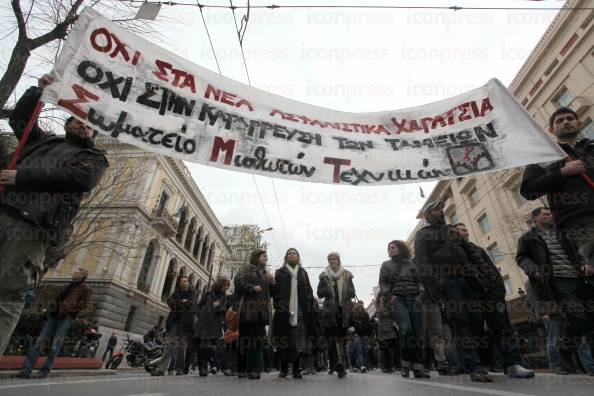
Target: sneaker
<point x="203" y="373"/>
<point x="297" y="374"/>
<point x="213" y="371"/>
<point x="517" y="371"/>
<point x="363" y="369"/>
<point x="157" y="373"/>
<point x="330" y="372"/>
<point x="481" y="376"/>
<point x="24" y="374"/>
<point x="171" y="372"/>
<point x="227" y="372"/>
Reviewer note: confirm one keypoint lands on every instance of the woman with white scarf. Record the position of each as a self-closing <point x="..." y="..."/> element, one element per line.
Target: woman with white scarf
<point x="337" y="289"/>
<point x="294" y="322"/>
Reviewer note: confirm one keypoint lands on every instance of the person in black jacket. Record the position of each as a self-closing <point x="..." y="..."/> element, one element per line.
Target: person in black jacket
<point x="494" y="312"/>
<point x="551" y="262"/>
<point x="253" y="288"/>
<point x="293" y="324"/>
<point x="209" y="327"/>
<point x="179" y="326"/>
<point x="449" y="266"/>
<point x="568" y="185"/>
<point x="41" y="197"/>
<point x="111" y="344"/>
<point x="401" y="286"/>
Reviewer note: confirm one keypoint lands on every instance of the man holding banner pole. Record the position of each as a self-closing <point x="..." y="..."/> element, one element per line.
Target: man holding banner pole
<point x="41" y="190"/>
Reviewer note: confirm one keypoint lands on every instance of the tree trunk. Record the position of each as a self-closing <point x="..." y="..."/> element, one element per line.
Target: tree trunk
<point x="14" y="70"/>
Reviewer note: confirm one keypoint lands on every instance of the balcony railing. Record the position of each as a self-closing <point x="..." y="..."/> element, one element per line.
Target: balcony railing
<point x="164" y="222"/>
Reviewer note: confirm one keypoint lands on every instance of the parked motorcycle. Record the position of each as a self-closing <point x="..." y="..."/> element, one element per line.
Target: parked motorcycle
<point x="138" y="354"/>
<point x="88" y="344"/>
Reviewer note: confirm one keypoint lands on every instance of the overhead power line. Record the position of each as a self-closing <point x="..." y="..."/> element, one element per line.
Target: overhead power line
<point x="359" y="6"/>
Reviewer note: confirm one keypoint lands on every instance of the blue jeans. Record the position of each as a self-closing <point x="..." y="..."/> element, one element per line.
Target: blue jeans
<point x="408" y="315"/>
<point x="554" y="329"/>
<point x="56" y="328"/>
<point x="361" y="347"/>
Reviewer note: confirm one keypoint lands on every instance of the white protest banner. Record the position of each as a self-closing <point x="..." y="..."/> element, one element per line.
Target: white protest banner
<point x="134" y="91"/>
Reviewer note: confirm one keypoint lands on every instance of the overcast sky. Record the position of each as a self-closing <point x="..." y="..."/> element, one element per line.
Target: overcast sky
<point x="355" y="60"/>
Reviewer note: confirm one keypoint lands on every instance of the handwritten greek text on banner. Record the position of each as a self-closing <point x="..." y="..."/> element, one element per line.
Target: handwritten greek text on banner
<point x="134" y="91"/>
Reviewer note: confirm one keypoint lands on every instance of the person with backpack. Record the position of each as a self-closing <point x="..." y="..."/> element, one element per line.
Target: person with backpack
<point x="337" y="289"/>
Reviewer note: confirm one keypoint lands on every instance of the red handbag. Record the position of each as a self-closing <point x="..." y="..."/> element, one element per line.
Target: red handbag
<point x="232" y="321"/>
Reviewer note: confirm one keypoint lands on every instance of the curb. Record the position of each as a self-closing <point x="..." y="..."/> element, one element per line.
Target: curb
<point x="59" y="373"/>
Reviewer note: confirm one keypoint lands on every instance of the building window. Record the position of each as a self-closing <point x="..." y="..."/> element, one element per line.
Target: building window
<point x="484" y="223"/>
<point x="454" y="219"/>
<point x="588" y="129"/>
<point x="143" y="281"/>
<point x="130" y="318"/>
<point x="473" y="196"/>
<point x="162" y="203"/>
<point x="563" y="99"/>
<point x="520" y="200"/>
<point x="495" y="253"/>
<point x="509" y="288"/>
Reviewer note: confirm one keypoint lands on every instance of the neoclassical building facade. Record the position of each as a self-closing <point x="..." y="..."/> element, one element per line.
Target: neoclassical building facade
<point x="146" y="225"/>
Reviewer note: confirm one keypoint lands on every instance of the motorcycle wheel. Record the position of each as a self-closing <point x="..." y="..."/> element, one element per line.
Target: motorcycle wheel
<point x="115" y="363"/>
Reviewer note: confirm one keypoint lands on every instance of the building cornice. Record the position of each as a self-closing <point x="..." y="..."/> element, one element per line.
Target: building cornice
<point x="541" y="46"/>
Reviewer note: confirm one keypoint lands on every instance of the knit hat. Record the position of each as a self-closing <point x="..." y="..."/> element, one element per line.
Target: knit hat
<point x="334" y="254"/>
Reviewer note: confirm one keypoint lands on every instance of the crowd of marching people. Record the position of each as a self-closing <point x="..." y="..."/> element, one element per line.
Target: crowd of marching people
<point x="441" y="304"/>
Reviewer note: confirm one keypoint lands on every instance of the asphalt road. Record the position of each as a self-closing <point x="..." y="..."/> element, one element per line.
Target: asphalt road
<point x="370" y="383"/>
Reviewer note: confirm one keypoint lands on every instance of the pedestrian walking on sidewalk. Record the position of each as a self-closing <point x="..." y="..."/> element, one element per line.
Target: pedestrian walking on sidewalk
<point x="70" y="301"/>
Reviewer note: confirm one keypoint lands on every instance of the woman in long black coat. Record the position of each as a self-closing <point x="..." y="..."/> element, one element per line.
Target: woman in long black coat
<point x="337" y="289"/>
<point x="253" y="289"/>
<point x="209" y="328"/>
<point x="293" y="327"/>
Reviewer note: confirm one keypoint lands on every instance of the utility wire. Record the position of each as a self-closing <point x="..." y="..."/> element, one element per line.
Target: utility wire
<point x="240" y="36"/>
<point x="214" y="53"/>
<point x="253" y="178"/>
<point x="362" y="6"/>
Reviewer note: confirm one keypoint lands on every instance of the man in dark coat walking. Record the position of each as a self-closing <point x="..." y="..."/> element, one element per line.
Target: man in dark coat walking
<point x="495" y="312"/>
<point x="41" y="198"/>
<point x="70" y="301"/>
<point x="111" y="344"/>
<point x="553" y="269"/>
